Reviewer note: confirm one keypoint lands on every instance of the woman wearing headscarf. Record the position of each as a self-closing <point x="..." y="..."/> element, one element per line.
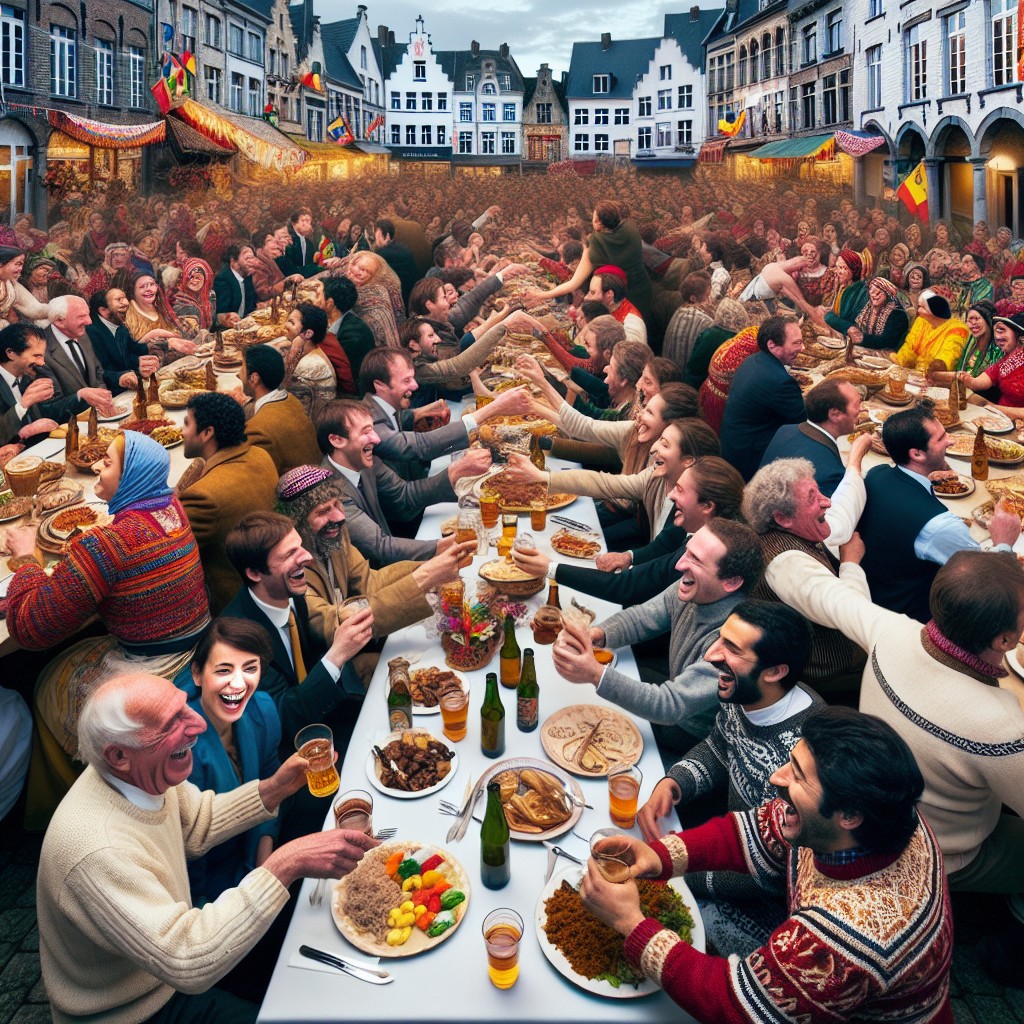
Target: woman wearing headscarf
<point x="882" y="323"/>
<point x="981" y="350"/>
<point x="730" y="318"/>
<point x="16" y="301"/>
<point x="894" y="265"/>
<point x="851" y="292"/>
<point x="1006" y="375"/>
<point x="190" y="298"/>
<point x="714" y="392"/>
<point x="139" y="574"/>
<point x="936" y="339"/>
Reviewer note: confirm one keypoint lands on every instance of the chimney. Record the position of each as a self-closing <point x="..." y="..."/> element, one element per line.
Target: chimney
<point x="391" y="38"/>
<point x="361" y="11"/>
<point x="606" y="40"/>
<point x="694" y="14"/>
<point x="503" y="51"/>
<point x="474" y="48"/>
<point x="382" y="35"/>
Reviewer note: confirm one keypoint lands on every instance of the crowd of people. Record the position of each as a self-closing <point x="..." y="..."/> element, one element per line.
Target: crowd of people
<point x="769" y="586"/>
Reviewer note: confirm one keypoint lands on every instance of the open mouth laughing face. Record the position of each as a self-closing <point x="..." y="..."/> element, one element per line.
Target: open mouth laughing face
<point x="228" y="679"/>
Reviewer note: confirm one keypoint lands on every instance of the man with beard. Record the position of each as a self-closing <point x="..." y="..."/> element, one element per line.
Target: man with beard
<point x="721" y="563"/>
<point x="310" y="497"/>
<point x="907" y="531"/>
<point x="870" y="930"/>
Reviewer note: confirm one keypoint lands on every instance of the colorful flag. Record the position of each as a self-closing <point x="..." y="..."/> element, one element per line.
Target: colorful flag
<point x="377" y="122"/>
<point x="162" y="94"/>
<point x="168" y="31"/>
<point x="732" y="124"/>
<point x="311" y="80"/>
<point x="188" y="61"/>
<point x="325" y="251"/>
<point x="914" y="193"/>
<point x="166" y="66"/>
<point x="339" y="131"/>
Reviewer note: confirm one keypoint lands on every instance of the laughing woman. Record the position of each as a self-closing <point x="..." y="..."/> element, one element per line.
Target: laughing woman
<point x="240" y="744"/>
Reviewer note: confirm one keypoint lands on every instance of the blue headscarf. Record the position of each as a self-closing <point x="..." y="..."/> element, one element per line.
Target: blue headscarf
<point x="143" y="474"/>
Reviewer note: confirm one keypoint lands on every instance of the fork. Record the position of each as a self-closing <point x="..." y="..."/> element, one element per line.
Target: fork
<point x="446" y="807"/>
<point x="316" y="897"/>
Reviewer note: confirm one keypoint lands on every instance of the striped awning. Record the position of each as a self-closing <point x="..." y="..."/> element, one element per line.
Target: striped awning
<point x="257" y="140"/>
<point x="712" y="151"/>
<point x="858" y="143"/>
<point x="797" y="149"/>
<point x="107" y="136"/>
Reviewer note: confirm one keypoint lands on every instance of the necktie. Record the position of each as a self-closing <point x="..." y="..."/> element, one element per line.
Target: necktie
<point x="296" y="645"/>
<point x="79" y="359"/>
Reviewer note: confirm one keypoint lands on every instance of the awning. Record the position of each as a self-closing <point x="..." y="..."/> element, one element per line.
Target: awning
<point x="323" y="152"/>
<point x="187" y="140"/>
<point x="107" y="136"/>
<point x="370" y="148"/>
<point x="797" y="149"/>
<point x="858" y="143"/>
<point x="257" y="140"/>
<point x="652" y="164"/>
<point x="712" y="151"/>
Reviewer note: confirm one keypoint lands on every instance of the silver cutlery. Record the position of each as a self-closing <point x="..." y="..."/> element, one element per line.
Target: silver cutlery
<point x="447" y="807"/>
<point x="316" y="897"/>
<point x="554" y="852"/>
<point x="363" y="973"/>
<point x="571" y="523"/>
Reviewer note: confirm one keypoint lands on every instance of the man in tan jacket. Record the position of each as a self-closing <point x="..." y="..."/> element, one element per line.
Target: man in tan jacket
<point x="238" y="478"/>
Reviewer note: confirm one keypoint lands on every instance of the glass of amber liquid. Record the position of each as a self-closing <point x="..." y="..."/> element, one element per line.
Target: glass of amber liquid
<point x="354" y="810"/>
<point x="454" y="711"/>
<point x="612" y="854"/>
<point x="623" y="790"/>
<point x="502" y="931"/>
<point x="24" y="473"/>
<point x="316" y="744"/>
<point x="489" y="508"/>
<point x="465" y="531"/>
<point x="509" y="525"/>
<point x="539" y="514"/>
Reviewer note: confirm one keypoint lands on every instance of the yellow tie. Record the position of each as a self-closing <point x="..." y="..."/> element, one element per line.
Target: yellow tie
<point x="293" y="636"/>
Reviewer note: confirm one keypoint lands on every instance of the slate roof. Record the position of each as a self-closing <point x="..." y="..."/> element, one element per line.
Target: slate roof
<point x="303" y="24"/>
<point x="339" y="67"/>
<point x="690" y="34"/>
<point x="344" y="32"/>
<point x="746" y="11"/>
<point x="624" y="60"/>
<point x="261" y="7"/>
<point x="390" y="57"/>
<point x="456" y="64"/>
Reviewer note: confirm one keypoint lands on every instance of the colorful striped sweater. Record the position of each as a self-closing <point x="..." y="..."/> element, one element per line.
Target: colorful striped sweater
<point x="141" y="575"/>
<point x="869" y="940"/>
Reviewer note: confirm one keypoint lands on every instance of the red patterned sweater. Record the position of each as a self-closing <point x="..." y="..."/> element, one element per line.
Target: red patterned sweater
<point x="141" y="575"/>
<point x="865" y="941"/>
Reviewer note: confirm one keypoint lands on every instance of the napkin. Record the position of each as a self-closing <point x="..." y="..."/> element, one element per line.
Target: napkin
<point x="359" y="959"/>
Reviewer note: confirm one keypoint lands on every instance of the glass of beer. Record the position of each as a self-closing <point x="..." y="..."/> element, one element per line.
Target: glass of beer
<point x="354" y="810"/>
<point x="509" y="525"/>
<point x="23" y="474"/>
<point x="454" y="711"/>
<point x="352" y="606"/>
<point x="489" y="508"/>
<point x="452" y="595"/>
<point x="316" y="744"/>
<point x="612" y="854"/>
<point x="898" y="380"/>
<point x="539" y="513"/>
<point x="502" y="930"/>
<point x="504" y="546"/>
<point x="465" y="531"/>
<point x="623" y="789"/>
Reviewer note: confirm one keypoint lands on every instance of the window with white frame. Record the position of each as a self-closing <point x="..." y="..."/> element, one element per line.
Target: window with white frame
<point x="873" y="59"/>
<point x="665" y="72"/>
<point x="237" y="91"/>
<point x="465" y="111"/>
<point x="236" y="40"/>
<point x="396" y="135"/>
<point x="470" y="82"/>
<point x="410" y="135"/>
<point x="622" y="115"/>
<point x="211" y="31"/>
<point x="410" y="101"/>
<point x="314" y="124"/>
<point x="834" y="30"/>
<point x="845" y="97"/>
<point x="876" y="8"/>
<point x="255" y="48"/>
<point x="685" y="101"/>
<point x="508" y="143"/>
<point x="829" y="99"/>
<point x="664" y="99"/>
<point x="213" y="79"/>
<point x="12" y="35"/>
<point x="543" y="113"/>
<point x="442" y="101"/>
<point x="643" y="138"/>
<point x="419" y="70"/>
<point x="255" y="98"/>
<point x="916" y="50"/>
<point x="396" y="100"/>
<point x="63" y="61"/>
<point x="602" y="83"/>
<point x="508" y="111"/>
<point x="581" y="143"/>
<point x="505" y="81"/>
<point x="465" y="143"/>
<point x="362" y="57"/>
<point x="663" y="135"/>
<point x="488" y="89"/>
<point x="955" y="28"/>
<point x="766" y="55"/>
<point x="487" y="142"/>
<point x="644" y="106"/>
<point x="684" y="133"/>
<point x="104" y="72"/>
<point x="488" y="112"/>
<point x="1004" y="41"/>
<point x="189" y="27"/>
<point x="780" y="51"/>
<point x="600" y="115"/>
<point x="808" y="103"/>
<point x="427" y="135"/>
<point x="602" y="143"/>
<point x="136" y="76"/>
<point x="809" y="44"/>
<point x="426" y="101"/>
<point x="582" y="116"/>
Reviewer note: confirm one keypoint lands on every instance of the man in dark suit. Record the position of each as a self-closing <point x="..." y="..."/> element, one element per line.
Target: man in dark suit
<point x="22" y="393"/>
<point x="70" y="358"/>
<point x="120" y="355"/>
<point x="396" y="255"/>
<point x="832" y="410"/>
<point x="305" y="242"/>
<point x="763" y="395"/>
<point x="236" y="296"/>
<point x="348" y="338"/>
<point x="307" y="682"/>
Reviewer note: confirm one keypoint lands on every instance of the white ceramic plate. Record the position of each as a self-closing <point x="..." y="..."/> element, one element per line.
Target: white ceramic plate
<point x="993" y="421"/>
<point x="1011" y="659"/>
<point x="967" y="481"/>
<point x="401" y="794"/>
<point x="121" y="414"/>
<point x="602" y="988"/>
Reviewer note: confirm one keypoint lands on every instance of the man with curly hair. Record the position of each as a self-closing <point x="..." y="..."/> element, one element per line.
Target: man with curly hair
<point x="237" y="478"/>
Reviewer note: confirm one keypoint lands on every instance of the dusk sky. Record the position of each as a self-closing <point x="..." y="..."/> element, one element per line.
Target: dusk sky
<point x="536" y="31"/>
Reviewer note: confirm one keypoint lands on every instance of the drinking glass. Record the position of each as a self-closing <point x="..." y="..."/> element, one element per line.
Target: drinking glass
<point x="352" y="606"/>
<point x="316" y="744"/>
<point x="489" y="508"/>
<point x="539" y="514"/>
<point x="623" y="790"/>
<point x="612" y="853"/>
<point x="454" y="711"/>
<point x="354" y="810"/>
<point x="502" y="931"/>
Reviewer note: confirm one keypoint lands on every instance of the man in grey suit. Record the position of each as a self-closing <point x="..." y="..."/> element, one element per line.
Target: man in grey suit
<point x="70" y="358"/>
<point x="372" y="493"/>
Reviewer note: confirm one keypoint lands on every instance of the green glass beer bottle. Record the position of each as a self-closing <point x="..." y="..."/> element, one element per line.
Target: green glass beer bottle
<point x="492" y="720"/>
<point x="495" y="865"/>
<point x="527" y="694"/>
<point x="510" y="655"/>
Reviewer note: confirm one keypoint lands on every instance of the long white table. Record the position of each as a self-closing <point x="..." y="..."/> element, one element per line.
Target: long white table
<point x="450" y="983"/>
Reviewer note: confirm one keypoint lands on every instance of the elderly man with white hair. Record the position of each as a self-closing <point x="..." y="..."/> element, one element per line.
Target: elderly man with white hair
<point x="119" y="938"/>
<point x="70" y="359"/>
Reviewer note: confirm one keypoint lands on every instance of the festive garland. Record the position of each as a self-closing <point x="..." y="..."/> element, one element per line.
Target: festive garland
<point x="107" y="136"/>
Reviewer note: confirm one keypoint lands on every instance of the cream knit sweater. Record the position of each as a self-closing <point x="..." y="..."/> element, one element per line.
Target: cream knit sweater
<point x="117" y="929"/>
<point x="967" y="735"/>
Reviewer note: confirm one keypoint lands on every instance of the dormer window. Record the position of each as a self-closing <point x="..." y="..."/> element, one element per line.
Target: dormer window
<point x="489" y="89"/>
<point x="602" y="83"/>
<point x="470" y="82"/>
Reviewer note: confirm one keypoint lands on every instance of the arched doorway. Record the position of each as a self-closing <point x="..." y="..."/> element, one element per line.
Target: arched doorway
<point x="951" y="146"/>
<point x="1001" y="141"/>
<point x="17" y="158"/>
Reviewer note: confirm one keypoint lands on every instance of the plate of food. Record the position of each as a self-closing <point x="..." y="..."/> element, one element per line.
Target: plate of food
<point x="372" y="909"/>
<point x="428" y="685"/>
<point x="982" y="514"/>
<point x="880" y="415"/>
<point x="60" y="495"/>
<point x="948" y="484"/>
<point x="540" y="800"/>
<point x="424" y="763"/>
<point x="505" y="576"/>
<point x="588" y="740"/>
<point x="873" y="362"/>
<point x="120" y="412"/>
<point x="517" y="497"/>
<point x="172" y="397"/>
<point x="12" y="508"/>
<point x="592" y="955"/>
<point x="576" y="544"/>
<point x="993" y="421"/>
<point x="1000" y="451"/>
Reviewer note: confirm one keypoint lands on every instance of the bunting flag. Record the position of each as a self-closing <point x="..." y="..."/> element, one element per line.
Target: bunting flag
<point x="168" y="33"/>
<point x="858" y="143"/>
<point x="188" y="61"/>
<point x="914" y="192"/>
<point x="107" y="136"/>
<point x="325" y="251"/>
<point x="162" y="94"/>
<point x="311" y="80"/>
<point x="339" y="131"/>
<point x="732" y="124"/>
<point x="378" y="122"/>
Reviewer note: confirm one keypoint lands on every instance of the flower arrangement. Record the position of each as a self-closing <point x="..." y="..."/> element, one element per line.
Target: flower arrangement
<point x="469" y="640"/>
<point x="62" y="177"/>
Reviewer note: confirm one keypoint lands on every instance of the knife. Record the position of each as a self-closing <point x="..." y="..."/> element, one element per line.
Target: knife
<point x="458" y="830"/>
<point x="369" y="974"/>
<point x="554" y="852"/>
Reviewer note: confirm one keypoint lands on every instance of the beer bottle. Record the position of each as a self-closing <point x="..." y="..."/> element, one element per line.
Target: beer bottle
<point x="492" y="720"/>
<point x="553" y="594"/>
<point x="527" y="694"/>
<point x="536" y="454"/>
<point x="495" y="864"/>
<point x="154" y="391"/>
<point x="399" y="695"/>
<point x="71" y="444"/>
<point x="979" y="458"/>
<point x="94" y="424"/>
<point x="510" y="655"/>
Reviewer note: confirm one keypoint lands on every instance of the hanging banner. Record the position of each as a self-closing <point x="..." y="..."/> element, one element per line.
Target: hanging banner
<point x="107" y="136"/>
<point x="913" y="192"/>
<point x="858" y="143"/>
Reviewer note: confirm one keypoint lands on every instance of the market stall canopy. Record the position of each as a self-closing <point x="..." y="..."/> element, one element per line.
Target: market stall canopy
<point x="371" y="148"/>
<point x="858" y="143"/>
<point x="712" y="151"/>
<point x="107" y="136"/>
<point x="186" y="139"/>
<point x="328" y="152"/>
<point x="822" y="146"/>
<point x="257" y="140"/>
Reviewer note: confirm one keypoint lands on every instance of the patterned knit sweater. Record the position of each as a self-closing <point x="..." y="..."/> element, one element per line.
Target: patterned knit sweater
<point x="141" y="575"/>
<point x="866" y="941"/>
